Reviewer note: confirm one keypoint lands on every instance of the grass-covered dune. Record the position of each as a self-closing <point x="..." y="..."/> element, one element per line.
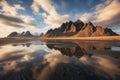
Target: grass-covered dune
<point x="101" y="38"/>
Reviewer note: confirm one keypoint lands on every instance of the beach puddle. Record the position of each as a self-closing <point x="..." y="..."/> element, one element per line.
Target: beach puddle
<point x="60" y="60"/>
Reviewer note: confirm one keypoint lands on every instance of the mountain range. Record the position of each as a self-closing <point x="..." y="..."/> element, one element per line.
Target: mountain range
<point x="23" y="34"/>
<point x="79" y="29"/>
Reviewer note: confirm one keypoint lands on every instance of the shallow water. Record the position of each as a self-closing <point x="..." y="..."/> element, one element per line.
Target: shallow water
<point x="60" y="60"/>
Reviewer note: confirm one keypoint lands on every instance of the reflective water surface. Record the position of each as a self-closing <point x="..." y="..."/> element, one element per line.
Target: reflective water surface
<point x="60" y="60"/>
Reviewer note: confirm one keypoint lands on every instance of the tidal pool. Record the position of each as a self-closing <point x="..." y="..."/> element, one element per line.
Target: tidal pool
<point x="60" y="60"/>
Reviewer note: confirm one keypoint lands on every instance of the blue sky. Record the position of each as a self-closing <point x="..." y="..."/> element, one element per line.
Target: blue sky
<point x="40" y="15"/>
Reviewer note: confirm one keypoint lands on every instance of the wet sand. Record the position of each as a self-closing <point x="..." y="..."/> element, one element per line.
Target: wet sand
<point x="63" y="60"/>
<point x="15" y="40"/>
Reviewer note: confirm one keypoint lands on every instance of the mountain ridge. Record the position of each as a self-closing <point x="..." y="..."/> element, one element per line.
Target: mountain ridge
<point x="79" y="29"/>
<point x="23" y="34"/>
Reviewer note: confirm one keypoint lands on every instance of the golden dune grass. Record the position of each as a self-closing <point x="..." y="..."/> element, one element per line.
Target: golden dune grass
<point x="109" y="38"/>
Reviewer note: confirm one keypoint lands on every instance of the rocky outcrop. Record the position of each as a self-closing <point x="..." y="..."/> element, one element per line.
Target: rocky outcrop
<point x="79" y="29"/>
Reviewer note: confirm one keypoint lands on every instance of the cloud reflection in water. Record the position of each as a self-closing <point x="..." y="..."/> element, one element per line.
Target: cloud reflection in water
<point x="57" y="60"/>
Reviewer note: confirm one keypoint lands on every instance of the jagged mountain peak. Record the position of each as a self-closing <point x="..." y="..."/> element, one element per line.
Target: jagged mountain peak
<point x="79" y="29"/>
<point x="78" y="21"/>
<point x="13" y="34"/>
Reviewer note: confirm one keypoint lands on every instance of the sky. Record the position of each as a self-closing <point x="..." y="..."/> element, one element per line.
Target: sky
<point x="39" y="16"/>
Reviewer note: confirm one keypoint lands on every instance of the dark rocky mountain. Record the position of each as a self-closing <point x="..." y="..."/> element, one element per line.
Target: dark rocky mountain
<point x="79" y="29"/>
<point x="27" y="34"/>
<point x="13" y="34"/>
<point x="23" y="34"/>
<point x="41" y="34"/>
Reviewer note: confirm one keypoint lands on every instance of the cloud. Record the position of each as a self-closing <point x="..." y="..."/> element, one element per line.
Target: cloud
<point x="53" y="18"/>
<point x="9" y="18"/>
<point x="18" y="7"/>
<point x="44" y="15"/>
<point x="9" y="21"/>
<point x="56" y="20"/>
<point x="10" y="10"/>
<point x="15" y="21"/>
<point x="35" y="7"/>
<point x="9" y="24"/>
<point x="12" y="20"/>
<point x="26" y="18"/>
<point x="85" y="17"/>
<point x="106" y="14"/>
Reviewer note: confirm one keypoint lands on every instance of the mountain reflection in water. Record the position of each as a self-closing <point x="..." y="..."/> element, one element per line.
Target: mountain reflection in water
<point x="60" y="60"/>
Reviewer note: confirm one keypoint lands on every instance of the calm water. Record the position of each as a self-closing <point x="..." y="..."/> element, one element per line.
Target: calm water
<point x="60" y="60"/>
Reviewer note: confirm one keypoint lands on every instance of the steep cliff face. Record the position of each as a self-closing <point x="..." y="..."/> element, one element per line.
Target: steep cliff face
<point x="86" y="30"/>
<point x="79" y="29"/>
<point x="100" y="31"/>
<point x="66" y="29"/>
<point x="110" y="32"/>
<point x="90" y="30"/>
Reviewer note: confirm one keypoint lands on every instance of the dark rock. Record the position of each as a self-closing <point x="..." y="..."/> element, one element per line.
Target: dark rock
<point x="41" y="34"/>
<point x="79" y="24"/>
<point x="79" y="29"/>
<point x="86" y="30"/>
<point x="110" y="32"/>
<point x="13" y="34"/>
<point x="28" y="34"/>
<point x="23" y="34"/>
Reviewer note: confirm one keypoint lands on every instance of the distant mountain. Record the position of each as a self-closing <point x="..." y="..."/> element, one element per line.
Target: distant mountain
<point x="23" y="34"/>
<point x="79" y="29"/>
<point x="13" y="34"/>
<point x="41" y="34"/>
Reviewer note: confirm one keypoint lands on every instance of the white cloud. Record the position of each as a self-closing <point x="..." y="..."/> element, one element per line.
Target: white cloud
<point x="35" y="7"/>
<point x="106" y="14"/>
<point x="7" y="29"/>
<point x="53" y="18"/>
<point x="46" y="5"/>
<point x="11" y="20"/>
<point x="26" y="18"/>
<point x="85" y="17"/>
<point x="10" y="10"/>
<point x="44" y="15"/>
<point x="56" y="20"/>
<point x="18" y="7"/>
<point x="13" y="11"/>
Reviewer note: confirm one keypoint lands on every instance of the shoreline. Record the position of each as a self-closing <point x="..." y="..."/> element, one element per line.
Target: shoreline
<point x="101" y="38"/>
<point x="4" y="41"/>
